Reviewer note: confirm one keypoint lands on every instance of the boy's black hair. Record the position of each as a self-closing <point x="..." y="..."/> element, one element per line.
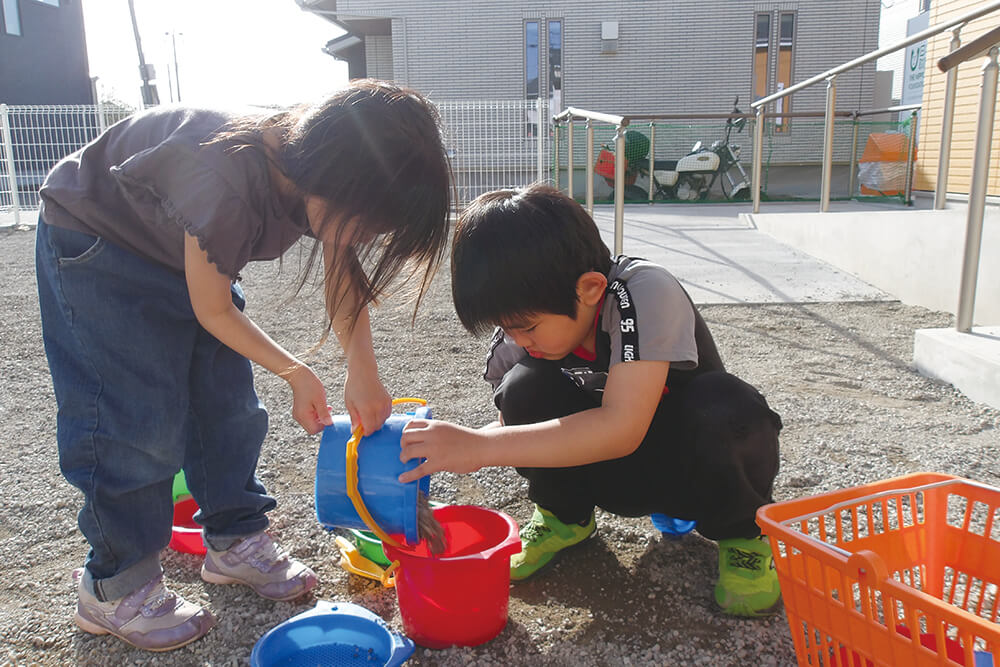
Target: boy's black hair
<point x="521" y="252"/>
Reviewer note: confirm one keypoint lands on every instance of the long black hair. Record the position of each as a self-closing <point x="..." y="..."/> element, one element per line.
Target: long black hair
<point x="374" y="152"/>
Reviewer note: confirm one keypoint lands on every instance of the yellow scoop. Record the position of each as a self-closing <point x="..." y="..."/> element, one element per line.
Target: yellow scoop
<point x="354" y="562"/>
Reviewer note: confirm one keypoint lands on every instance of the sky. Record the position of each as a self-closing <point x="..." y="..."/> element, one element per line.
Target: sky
<point x="229" y="52"/>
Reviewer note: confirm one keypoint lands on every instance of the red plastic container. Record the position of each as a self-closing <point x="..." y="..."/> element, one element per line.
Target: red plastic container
<point x="186" y="534"/>
<point x="459" y="597"/>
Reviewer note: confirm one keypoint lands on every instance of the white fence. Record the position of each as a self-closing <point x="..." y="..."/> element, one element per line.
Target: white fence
<point x="34" y="138"/>
<point x="496" y="144"/>
<point x="492" y="144"/>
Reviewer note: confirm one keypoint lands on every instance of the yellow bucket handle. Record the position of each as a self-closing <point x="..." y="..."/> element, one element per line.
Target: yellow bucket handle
<point x="351" y="467"/>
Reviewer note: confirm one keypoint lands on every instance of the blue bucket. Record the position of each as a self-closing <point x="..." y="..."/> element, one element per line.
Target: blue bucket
<point x="392" y="505"/>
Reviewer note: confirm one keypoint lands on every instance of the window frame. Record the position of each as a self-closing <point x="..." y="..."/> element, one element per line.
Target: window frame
<point x="525" y="57"/>
<point x="11" y="15"/>
<point x="548" y="62"/>
<point x="767" y="55"/>
<point x="783" y="126"/>
<point x="773" y="68"/>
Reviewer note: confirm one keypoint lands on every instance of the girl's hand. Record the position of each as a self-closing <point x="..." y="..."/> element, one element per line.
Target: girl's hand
<point x="367" y="401"/>
<point x="309" y="406"/>
<point x="445" y="446"/>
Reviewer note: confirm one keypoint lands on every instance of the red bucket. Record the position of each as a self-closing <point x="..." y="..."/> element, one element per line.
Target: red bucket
<point x="459" y="597"/>
<point x="185" y="536"/>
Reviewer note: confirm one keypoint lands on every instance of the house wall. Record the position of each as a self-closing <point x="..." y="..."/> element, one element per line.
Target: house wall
<point x="966" y="105"/>
<point x="672" y="57"/>
<point x="47" y="62"/>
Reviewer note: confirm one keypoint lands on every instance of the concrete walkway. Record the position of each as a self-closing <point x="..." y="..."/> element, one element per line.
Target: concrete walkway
<point x="721" y="257"/>
<point x="790" y="253"/>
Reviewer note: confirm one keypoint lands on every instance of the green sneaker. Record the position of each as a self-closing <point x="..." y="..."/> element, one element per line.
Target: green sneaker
<point x="748" y="582"/>
<point x="542" y="539"/>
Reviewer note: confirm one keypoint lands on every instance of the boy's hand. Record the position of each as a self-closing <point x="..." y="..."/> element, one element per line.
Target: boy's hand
<point x="445" y="446"/>
<point x="367" y="401"/>
<point x="309" y="406"/>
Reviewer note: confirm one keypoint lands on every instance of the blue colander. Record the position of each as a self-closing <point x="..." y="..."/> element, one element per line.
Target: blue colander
<point x="332" y="634"/>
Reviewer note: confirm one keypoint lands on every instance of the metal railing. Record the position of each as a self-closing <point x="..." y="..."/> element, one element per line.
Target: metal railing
<point x="620" y="123"/>
<point x="830" y="76"/>
<point x="980" y="167"/>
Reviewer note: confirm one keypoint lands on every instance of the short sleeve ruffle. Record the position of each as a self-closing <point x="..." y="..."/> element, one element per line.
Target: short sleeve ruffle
<point x="186" y="184"/>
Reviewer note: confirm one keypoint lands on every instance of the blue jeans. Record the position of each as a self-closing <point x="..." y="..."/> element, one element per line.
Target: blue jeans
<point x="143" y="390"/>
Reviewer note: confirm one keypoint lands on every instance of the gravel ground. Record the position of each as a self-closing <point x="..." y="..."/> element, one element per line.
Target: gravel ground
<point x="840" y="374"/>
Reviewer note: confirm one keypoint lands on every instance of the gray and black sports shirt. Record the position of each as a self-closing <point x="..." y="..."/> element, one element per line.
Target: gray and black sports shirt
<point x="646" y="315"/>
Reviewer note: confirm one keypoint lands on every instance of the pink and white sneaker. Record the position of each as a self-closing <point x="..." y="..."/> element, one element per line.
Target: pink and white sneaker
<point x="152" y="617"/>
<point x="256" y="562"/>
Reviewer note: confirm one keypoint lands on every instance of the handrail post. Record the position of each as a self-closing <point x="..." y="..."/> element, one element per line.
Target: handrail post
<point x="947" y="119"/>
<point x="758" y="151"/>
<point x="543" y="112"/>
<point x="652" y="152"/>
<point x="555" y="153"/>
<point x="590" y="167"/>
<point x="854" y="159"/>
<point x="911" y="148"/>
<point x="831" y="106"/>
<point x="569" y="158"/>
<point x="977" y="194"/>
<point x="8" y="150"/>
<point x="619" y="188"/>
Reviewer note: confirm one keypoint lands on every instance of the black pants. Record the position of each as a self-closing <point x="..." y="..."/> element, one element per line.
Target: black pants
<point x="710" y="454"/>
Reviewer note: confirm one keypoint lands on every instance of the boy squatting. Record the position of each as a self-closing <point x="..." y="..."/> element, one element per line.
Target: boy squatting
<point x="610" y="390"/>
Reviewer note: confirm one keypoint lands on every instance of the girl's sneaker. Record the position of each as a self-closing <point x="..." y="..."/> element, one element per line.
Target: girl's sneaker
<point x="257" y="562"/>
<point x="748" y="582"/>
<point x="542" y="539"/>
<point x="152" y="617"/>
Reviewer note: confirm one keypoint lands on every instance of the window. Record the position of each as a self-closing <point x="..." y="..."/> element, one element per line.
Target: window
<point x="780" y="70"/>
<point x="761" y="54"/>
<point x="11" y="19"/>
<point x="531" y="60"/>
<point x="555" y="67"/>
<point x="786" y="40"/>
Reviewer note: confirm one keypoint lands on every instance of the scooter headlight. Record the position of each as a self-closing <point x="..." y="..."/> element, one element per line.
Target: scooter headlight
<point x="736" y="150"/>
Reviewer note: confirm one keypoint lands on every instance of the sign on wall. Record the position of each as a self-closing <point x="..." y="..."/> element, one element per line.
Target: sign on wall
<point x="916" y="60"/>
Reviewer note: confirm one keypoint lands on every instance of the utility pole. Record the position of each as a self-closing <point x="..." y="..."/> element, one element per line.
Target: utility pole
<point x="149" y="96"/>
<point x="177" y="72"/>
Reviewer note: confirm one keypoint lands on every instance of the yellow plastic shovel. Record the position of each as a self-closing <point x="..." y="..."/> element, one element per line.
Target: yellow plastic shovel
<point x="355" y="562"/>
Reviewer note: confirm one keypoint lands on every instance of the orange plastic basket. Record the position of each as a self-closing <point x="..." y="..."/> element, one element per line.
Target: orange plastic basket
<point x="900" y="572"/>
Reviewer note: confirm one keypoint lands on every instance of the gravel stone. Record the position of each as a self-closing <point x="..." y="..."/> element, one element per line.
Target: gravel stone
<point x="840" y="374"/>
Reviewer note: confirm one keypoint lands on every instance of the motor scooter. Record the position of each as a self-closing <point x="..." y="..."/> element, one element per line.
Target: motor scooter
<point x="689" y="179"/>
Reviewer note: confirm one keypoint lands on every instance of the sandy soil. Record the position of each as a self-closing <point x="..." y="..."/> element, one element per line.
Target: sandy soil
<point x="839" y="373"/>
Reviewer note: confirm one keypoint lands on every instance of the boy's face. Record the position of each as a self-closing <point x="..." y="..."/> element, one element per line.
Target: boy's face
<point x="549" y="336"/>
